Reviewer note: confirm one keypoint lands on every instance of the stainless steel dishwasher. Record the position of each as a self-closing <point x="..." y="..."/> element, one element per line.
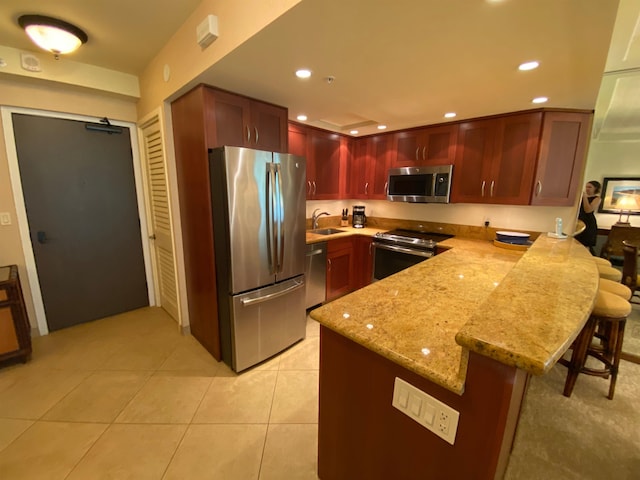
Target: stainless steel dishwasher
<point x="315" y="273"/>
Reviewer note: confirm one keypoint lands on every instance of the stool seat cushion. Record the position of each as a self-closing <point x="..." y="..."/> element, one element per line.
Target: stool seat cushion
<point x="619" y="289"/>
<point x="602" y="261"/>
<point x="609" y="273"/>
<point x="611" y="305"/>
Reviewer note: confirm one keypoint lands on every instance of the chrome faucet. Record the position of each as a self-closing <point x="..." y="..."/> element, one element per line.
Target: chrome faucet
<point x="315" y="216"/>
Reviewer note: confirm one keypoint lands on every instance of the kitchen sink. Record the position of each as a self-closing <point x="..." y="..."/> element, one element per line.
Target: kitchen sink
<point x="326" y="231"/>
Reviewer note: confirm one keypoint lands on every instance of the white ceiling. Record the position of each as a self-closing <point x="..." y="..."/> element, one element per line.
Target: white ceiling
<point x="399" y="62"/>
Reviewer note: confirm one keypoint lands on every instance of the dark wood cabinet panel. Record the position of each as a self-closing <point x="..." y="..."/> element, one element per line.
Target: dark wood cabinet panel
<point x="561" y="158"/>
<point x="206" y="118"/>
<point x="363" y="256"/>
<point x="340" y="267"/>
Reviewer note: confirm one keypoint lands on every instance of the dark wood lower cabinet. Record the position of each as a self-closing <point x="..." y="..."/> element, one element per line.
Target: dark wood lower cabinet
<point x="340" y="267"/>
<point x="361" y="435"/>
<point x="15" y="333"/>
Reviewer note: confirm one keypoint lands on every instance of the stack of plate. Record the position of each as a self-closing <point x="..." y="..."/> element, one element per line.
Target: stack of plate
<point x="512" y="240"/>
<point x="516" y="238"/>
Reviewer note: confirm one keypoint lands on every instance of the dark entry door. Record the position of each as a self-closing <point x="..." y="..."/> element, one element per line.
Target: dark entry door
<point x="80" y="198"/>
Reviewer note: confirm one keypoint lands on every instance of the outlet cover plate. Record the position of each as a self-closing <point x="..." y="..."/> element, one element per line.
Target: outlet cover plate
<point x="428" y="411"/>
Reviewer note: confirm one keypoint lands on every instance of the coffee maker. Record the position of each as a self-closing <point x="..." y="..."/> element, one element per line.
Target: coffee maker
<point x="359" y="218"/>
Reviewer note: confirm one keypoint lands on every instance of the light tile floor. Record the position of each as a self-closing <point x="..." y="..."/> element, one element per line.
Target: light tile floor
<point x="128" y="397"/>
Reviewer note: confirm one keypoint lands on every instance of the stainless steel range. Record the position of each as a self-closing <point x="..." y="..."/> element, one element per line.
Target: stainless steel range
<point x="399" y="249"/>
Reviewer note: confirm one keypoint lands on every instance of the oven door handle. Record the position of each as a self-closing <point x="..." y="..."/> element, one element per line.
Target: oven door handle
<point x="410" y="251"/>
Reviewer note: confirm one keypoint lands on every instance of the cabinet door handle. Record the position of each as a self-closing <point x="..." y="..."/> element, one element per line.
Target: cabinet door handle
<point x="482" y="188"/>
<point x="417" y="152"/>
<point x="492" y="185"/>
<point x="255" y="129"/>
<point x="308" y="187"/>
<point x="366" y="188"/>
<point x="538" y="188"/>
<point x="329" y="263"/>
<point x="386" y="188"/>
<point x="424" y="153"/>
<point x="248" y="133"/>
<point x="314" y="187"/>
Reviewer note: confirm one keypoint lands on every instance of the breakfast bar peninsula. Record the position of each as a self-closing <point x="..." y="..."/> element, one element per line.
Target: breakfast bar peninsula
<point x="467" y="328"/>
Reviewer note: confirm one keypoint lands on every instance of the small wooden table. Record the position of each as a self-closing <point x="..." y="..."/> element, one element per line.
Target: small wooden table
<point x="15" y="333"/>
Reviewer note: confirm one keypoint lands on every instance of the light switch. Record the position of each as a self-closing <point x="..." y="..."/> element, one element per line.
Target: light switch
<point x="403" y="397"/>
<point x="5" y="218"/>
<point x="429" y="413"/>
<point x="415" y="404"/>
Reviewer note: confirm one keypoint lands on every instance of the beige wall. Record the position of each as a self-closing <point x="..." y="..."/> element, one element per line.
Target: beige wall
<point x="38" y="95"/>
<point x="237" y="21"/>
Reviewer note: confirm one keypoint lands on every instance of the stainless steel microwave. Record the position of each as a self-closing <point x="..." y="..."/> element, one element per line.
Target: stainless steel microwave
<point x="420" y="184"/>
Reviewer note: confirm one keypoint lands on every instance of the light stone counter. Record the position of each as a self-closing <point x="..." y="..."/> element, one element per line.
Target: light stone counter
<point x="520" y="308"/>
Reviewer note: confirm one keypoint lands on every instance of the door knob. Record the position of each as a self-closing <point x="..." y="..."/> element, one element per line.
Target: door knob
<point x="42" y="237"/>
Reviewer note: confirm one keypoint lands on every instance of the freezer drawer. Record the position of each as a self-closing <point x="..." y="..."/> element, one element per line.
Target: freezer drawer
<point x="266" y="321"/>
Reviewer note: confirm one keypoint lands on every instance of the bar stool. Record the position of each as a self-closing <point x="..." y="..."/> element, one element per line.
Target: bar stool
<point x="619" y="289"/>
<point x="609" y="312"/>
<point x="609" y="273"/>
<point x="602" y="261"/>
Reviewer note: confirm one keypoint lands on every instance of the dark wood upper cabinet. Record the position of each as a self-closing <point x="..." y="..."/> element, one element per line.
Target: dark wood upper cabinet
<point x="370" y="166"/>
<point x="561" y="158"/>
<point x="243" y="122"/>
<point x="496" y="160"/>
<point x="425" y="146"/>
<point x="327" y="154"/>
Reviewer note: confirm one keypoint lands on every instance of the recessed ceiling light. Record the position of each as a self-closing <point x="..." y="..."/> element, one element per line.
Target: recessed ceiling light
<point x="528" y="65"/>
<point x="302" y="118"/>
<point x="539" y="100"/>
<point x="381" y="127"/>
<point x="449" y="115"/>
<point x="303" y="73"/>
<point x="353" y="132"/>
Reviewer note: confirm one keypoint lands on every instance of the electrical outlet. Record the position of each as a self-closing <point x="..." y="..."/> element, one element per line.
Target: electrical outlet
<point x="5" y="218"/>
<point x="428" y="411"/>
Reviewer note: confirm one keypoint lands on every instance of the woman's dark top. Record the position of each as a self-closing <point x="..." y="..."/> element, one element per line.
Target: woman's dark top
<point x="589" y="235"/>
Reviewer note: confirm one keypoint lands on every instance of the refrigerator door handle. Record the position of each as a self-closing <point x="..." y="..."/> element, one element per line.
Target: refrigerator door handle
<point x="252" y="301"/>
<point x="272" y="242"/>
<point x="280" y="216"/>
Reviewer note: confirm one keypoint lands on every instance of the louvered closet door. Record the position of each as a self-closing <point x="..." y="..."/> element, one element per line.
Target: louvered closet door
<point x="161" y="225"/>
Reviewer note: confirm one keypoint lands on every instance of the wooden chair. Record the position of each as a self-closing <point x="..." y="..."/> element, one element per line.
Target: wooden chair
<point x="617" y="235"/>
<point x="630" y="268"/>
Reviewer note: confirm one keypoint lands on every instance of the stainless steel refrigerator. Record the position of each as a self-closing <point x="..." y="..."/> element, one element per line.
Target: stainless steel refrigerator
<point x="258" y="208"/>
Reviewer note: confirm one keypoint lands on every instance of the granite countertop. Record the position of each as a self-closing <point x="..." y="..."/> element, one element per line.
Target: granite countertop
<point x="520" y="308"/>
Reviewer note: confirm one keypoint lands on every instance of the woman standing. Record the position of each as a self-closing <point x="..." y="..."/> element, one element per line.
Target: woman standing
<point x="589" y="204"/>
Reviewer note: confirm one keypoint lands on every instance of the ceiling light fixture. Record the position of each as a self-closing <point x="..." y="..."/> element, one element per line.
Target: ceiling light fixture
<point x="529" y="66"/>
<point x="302" y="118"/>
<point x="303" y="73"/>
<point x="382" y="127"/>
<point x="353" y="132"/>
<point x="539" y="100"/>
<point x="52" y="34"/>
<point x="449" y="115"/>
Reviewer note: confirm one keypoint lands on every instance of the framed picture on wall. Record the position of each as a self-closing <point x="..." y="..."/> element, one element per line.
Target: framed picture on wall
<point x="620" y="195"/>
